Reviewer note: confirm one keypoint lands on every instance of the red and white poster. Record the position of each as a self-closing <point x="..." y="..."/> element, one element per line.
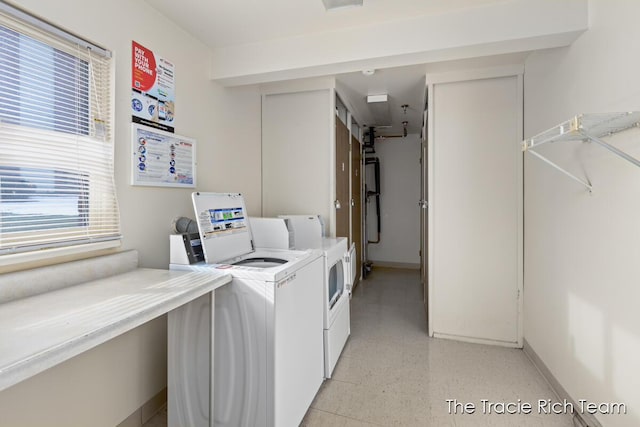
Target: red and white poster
<point x="152" y="89"/>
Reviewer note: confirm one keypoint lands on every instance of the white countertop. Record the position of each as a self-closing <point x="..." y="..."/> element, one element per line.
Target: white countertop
<point x="39" y="332"/>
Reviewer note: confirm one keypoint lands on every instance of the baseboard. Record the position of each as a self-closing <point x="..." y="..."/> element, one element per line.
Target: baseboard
<point x="391" y="264"/>
<point x="579" y="420"/>
<point x="483" y="341"/>
<point x="146" y="411"/>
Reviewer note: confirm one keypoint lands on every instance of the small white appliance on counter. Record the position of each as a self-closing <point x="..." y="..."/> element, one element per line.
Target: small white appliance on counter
<point x="268" y="340"/>
<point x="339" y="272"/>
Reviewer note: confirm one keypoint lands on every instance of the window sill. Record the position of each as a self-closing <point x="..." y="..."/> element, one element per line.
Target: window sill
<point x="54" y="253"/>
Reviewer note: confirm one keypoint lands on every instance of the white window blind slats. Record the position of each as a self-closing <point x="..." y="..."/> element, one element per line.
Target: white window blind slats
<point x="73" y="192"/>
<point x="37" y="31"/>
<point x="56" y="150"/>
<point x="27" y="147"/>
<point x="51" y="88"/>
<point x="18" y="73"/>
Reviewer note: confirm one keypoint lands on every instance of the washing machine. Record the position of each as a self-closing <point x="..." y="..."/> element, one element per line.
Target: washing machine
<point x="268" y="322"/>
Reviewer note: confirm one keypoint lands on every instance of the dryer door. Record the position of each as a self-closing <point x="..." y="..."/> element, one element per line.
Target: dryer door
<point x="336" y="281"/>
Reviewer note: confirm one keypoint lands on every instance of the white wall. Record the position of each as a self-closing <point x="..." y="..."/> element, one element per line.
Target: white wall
<point x="400" y="192"/>
<point x="99" y="387"/>
<point x="581" y="251"/>
<point x="226" y="124"/>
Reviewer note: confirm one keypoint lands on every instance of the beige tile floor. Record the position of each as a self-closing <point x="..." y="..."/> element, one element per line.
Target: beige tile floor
<point x="392" y="374"/>
<point x="158" y="420"/>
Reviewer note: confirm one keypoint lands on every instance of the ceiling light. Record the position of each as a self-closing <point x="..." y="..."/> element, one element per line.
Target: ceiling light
<point x="368" y="72"/>
<point x="339" y="4"/>
<point x="376" y="98"/>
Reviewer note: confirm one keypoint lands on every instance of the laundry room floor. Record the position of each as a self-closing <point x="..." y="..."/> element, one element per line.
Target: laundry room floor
<point x="392" y="374"/>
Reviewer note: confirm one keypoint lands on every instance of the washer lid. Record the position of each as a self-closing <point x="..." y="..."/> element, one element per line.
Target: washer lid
<point x="223" y="224"/>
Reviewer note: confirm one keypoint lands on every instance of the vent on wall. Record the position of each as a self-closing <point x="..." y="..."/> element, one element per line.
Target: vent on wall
<point x="339" y="4"/>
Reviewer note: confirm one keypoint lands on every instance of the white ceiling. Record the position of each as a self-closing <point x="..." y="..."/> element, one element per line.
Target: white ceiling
<point x="403" y="85"/>
<point x="406" y="85"/>
<point x="223" y="23"/>
<point x="228" y="23"/>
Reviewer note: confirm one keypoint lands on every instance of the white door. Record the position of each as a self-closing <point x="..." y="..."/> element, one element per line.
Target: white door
<point x="423" y="205"/>
<point x="476" y="210"/>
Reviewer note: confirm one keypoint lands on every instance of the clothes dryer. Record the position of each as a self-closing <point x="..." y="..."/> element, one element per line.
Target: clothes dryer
<point x="336" y="300"/>
<point x="307" y="232"/>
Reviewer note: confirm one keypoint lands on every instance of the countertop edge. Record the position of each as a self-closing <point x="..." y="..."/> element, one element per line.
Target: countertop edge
<point x="52" y="356"/>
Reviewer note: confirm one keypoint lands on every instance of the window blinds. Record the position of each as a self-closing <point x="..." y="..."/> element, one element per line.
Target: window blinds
<point x="56" y="149"/>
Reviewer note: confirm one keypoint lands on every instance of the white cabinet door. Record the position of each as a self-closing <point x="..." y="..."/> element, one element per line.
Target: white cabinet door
<point x="298" y="154"/>
<point x="476" y="210"/>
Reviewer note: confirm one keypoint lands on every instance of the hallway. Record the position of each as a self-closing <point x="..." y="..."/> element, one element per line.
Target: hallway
<point x="391" y="373"/>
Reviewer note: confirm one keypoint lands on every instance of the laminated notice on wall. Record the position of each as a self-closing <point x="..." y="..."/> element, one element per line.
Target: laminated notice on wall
<point x="152" y="89"/>
<point x="162" y="159"/>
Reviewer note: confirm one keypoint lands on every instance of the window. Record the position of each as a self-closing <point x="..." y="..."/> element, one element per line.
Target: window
<point x="56" y="148"/>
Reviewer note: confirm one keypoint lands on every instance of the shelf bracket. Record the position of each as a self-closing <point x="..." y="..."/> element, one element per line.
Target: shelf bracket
<point x="555" y="166"/>
<point x="612" y="149"/>
<point x="586" y="128"/>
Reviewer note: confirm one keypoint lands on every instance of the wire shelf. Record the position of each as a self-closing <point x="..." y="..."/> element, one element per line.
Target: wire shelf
<point x="586" y="127"/>
<point x="598" y="125"/>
